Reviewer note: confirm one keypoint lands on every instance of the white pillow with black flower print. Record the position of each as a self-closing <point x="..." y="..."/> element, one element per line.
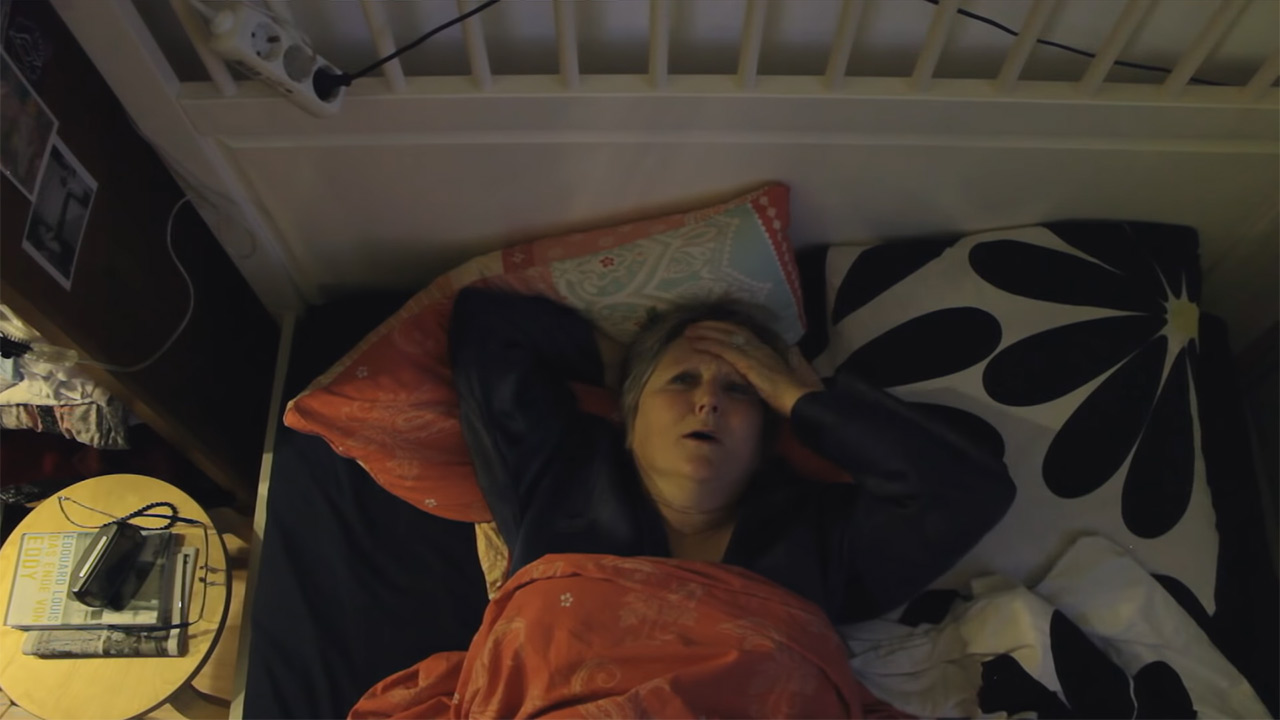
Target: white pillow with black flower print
<point x="1068" y="350"/>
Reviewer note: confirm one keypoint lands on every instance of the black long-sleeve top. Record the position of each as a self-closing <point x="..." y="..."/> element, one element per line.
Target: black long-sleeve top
<point x="558" y="479"/>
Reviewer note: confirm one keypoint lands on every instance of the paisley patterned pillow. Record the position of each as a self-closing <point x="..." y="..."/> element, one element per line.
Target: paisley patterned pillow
<point x="727" y="254"/>
<point x="390" y="403"/>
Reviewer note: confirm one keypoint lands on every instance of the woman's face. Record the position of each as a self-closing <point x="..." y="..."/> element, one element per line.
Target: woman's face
<point x="696" y="433"/>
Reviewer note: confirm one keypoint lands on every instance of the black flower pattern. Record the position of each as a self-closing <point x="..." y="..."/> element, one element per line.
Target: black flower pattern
<point x="1093" y="685"/>
<point x="879" y="268"/>
<point x="932" y="345"/>
<point x="1147" y="275"/>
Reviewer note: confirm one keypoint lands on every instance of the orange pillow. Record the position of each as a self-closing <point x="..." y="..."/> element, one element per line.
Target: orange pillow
<point x="390" y="403"/>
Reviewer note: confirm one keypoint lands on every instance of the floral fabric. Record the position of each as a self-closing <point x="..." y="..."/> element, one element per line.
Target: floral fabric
<point x="99" y="425"/>
<point x="50" y="398"/>
<point x="598" y="636"/>
<point x="1069" y="350"/>
<point x="1098" y="637"/>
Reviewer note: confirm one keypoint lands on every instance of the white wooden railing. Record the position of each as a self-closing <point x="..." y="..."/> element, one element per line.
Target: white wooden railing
<point x="1005" y="84"/>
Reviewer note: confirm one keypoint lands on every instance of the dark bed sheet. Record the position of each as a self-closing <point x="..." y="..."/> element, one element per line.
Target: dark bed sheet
<point x="1245" y="625"/>
<point x="354" y="584"/>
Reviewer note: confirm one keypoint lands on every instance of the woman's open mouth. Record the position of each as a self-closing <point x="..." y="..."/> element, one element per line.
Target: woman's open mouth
<point x="703" y="436"/>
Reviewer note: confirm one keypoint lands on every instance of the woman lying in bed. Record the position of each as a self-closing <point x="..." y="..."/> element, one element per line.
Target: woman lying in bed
<point x="711" y="621"/>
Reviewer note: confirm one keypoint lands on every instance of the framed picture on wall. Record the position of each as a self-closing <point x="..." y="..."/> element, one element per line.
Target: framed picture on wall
<point x="59" y="213"/>
<point x="26" y="128"/>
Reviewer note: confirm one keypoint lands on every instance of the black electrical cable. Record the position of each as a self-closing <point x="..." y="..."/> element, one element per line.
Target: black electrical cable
<point x="1083" y="53"/>
<point x="326" y="82"/>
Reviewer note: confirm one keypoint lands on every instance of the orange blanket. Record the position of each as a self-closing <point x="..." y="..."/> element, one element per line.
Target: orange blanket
<point x="599" y="636"/>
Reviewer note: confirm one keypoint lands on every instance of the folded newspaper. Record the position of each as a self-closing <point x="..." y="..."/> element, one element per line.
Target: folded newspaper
<point x="139" y="642"/>
<point x="104" y="643"/>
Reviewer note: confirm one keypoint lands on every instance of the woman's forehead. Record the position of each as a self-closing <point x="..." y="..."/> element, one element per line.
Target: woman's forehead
<point x="680" y="355"/>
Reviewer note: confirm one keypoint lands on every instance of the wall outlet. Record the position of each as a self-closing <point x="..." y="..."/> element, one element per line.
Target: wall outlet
<point x="265" y="50"/>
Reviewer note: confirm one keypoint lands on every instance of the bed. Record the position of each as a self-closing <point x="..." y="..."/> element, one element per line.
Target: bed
<point x="338" y="544"/>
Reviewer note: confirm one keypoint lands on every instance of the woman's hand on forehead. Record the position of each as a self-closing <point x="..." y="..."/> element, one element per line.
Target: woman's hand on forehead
<point x="780" y="382"/>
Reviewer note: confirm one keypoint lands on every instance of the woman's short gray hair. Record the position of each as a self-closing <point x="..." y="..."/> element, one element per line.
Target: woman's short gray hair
<point x="664" y="328"/>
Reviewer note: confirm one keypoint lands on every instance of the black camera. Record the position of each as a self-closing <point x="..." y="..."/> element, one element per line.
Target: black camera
<point x="106" y="574"/>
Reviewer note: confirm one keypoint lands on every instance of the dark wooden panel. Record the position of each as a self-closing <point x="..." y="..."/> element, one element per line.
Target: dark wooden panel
<point x="209" y="393"/>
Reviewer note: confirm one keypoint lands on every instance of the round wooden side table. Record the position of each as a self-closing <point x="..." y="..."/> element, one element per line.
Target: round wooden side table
<point x="116" y="687"/>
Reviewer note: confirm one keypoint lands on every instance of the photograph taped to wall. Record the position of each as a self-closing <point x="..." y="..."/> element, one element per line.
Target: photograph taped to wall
<point x="59" y="213"/>
<point x="26" y="128"/>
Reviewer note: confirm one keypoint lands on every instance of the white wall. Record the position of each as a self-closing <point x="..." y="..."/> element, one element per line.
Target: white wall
<point x="397" y="189"/>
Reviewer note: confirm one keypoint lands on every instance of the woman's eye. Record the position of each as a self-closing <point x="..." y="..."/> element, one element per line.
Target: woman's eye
<point x="684" y="379"/>
<point x="742" y="389"/>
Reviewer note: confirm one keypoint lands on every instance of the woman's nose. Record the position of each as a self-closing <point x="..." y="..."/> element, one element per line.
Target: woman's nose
<point x="708" y="403"/>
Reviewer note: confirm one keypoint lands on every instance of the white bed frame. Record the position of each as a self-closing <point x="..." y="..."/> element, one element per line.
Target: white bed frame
<point x="418" y="173"/>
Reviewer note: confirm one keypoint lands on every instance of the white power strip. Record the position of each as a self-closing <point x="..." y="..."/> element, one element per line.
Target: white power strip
<point x="262" y="48"/>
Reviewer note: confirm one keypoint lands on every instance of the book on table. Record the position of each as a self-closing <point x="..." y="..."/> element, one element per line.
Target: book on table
<point x="171" y="641"/>
<point x="40" y="596"/>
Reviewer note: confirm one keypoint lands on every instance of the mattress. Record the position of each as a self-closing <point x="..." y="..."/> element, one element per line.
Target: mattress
<point x="354" y="584"/>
